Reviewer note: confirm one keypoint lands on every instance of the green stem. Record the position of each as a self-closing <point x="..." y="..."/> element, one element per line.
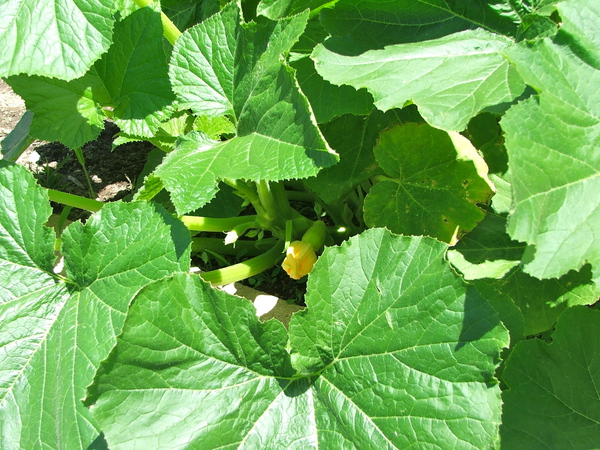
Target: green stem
<point x="250" y="248"/>
<point x="79" y="153"/>
<point x="300" y="224"/>
<point x="196" y="223"/>
<point x="170" y="31"/>
<point x="379" y="178"/>
<point x="63" y="219"/>
<point x="245" y="269"/>
<point x="243" y="189"/>
<point x="75" y="201"/>
<point x="275" y="202"/>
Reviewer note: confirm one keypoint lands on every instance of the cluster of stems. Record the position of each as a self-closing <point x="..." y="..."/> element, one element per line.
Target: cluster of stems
<point x="273" y="214"/>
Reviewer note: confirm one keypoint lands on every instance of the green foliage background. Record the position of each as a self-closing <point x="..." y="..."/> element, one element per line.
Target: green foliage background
<point x="456" y="140"/>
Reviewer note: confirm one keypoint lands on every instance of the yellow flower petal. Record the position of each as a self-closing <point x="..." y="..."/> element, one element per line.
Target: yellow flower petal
<point x="299" y="260"/>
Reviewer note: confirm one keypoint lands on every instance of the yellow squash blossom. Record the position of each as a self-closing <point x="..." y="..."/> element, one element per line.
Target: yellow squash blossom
<point x="300" y="259"/>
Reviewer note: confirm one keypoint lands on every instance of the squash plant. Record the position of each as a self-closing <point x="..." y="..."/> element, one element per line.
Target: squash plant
<point x="451" y="149"/>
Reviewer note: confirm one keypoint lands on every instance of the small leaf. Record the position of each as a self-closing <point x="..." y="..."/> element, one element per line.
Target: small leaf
<point x="437" y="180"/>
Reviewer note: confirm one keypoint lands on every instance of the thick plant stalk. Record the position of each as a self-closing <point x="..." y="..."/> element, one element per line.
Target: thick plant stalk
<point x="196" y="223"/>
<point x="245" y="269"/>
<point x="251" y="248"/>
<point x="193" y="223"/>
<point x="170" y="31"/>
<point x="275" y="202"/>
<point x="75" y="201"/>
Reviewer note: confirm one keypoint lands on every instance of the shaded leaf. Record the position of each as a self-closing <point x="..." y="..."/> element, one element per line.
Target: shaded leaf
<point x="360" y="25"/>
<point x="435" y="181"/>
<point x="187" y="13"/>
<point x="552" y="400"/>
<point x="327" y="100"/>
<point x="354" y="138"/>
<point x="276" y="9"/>
<point x="486" y="135"/>
<point x="488" y="255"/>
<point x="487" y="251"/>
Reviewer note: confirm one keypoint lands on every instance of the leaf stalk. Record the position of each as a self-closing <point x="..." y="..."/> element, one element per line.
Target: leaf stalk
<point x="75" y="201"/>
<point x="170" y="31"/>
<point x="246" y="269"/>
<point x="197" y="223"/>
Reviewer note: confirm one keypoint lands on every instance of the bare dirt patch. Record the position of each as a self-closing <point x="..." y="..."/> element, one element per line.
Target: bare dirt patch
<point x="113" y="172"/>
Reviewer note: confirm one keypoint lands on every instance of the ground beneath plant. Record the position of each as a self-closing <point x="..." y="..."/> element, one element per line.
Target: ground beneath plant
<point x="112" y="171"/>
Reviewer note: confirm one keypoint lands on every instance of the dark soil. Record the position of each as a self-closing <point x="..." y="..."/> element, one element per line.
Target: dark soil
<point x="113" y="172"/>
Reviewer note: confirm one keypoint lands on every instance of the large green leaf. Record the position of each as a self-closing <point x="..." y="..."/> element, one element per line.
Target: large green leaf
<point x="224" y="67"/>
<point x="53" y="38"/>
<point x="552" y="143"/>
<point x="65" y="111"/>
<point x="553" y="399"/>
<point x="487" y="254"/>
<point x="435" y="182"/>
<point x="387" y="359"/>
<point x="135" y="73"/>
<point x="450" y="79"/>
<point x="360" y="25"/>
<point x="131" y="79"/>
<point x="54" y="334"/>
